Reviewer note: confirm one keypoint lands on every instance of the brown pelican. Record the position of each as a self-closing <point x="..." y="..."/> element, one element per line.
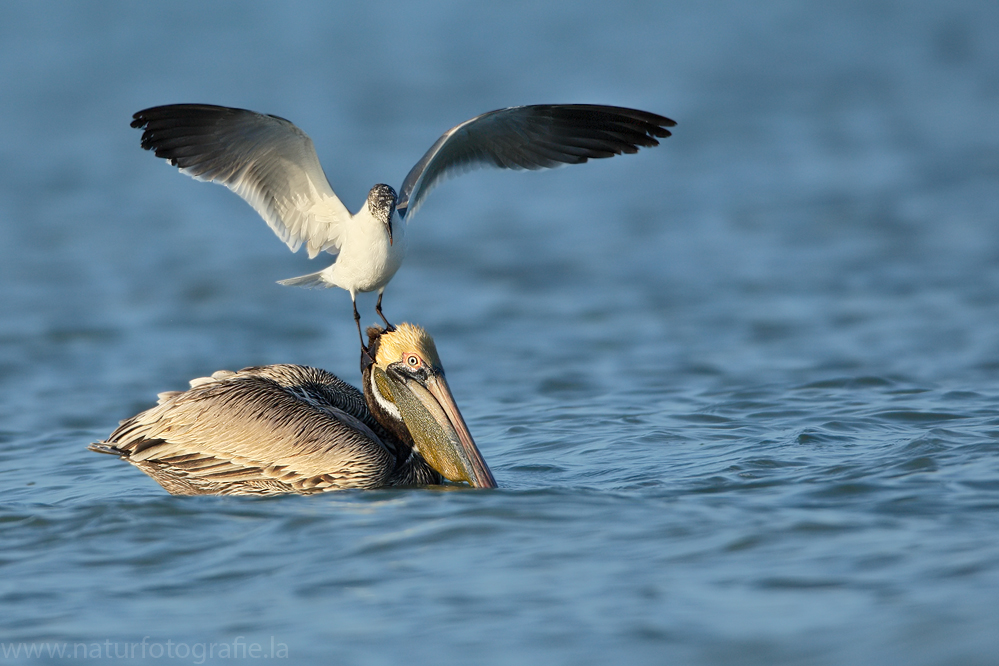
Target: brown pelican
<point x="272" y="164"/>
<point x="294" y="429"/>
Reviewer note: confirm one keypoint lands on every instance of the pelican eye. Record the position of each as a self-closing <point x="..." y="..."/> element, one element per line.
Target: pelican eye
<point x="413" y="361"/>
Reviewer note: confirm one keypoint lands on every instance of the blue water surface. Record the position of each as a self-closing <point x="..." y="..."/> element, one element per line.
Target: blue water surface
<point x="739" y="391"/>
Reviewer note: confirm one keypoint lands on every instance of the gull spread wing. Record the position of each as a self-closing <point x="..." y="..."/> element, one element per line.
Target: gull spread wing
<point x="266" y="160"/>
<point x="531" y="137"/>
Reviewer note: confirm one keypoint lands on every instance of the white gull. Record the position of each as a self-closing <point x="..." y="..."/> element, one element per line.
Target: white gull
<point x="272" y="164"/>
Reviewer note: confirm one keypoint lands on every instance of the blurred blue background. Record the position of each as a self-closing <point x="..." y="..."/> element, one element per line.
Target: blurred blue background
<point x="739" y="390"/>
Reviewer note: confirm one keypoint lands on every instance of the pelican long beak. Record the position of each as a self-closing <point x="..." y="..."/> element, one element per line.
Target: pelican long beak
<point x="440" y="433"/>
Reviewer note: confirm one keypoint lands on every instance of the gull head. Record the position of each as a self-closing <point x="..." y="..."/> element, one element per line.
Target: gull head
<point x="381" y="204"/>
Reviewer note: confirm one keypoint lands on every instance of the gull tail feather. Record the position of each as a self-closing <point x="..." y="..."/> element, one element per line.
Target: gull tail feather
<point x="310" y="281"/>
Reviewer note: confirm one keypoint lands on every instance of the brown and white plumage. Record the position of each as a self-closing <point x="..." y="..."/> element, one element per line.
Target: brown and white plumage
<point x="294" y="429"/>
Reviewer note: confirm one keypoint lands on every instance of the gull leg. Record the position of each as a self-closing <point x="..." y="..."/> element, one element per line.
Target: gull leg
<point x="357" y="320"/>
<point x="378" y="309"/>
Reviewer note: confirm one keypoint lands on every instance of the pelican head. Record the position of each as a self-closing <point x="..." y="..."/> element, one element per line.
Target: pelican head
<point x="404" y="384"/>
<point x="381" y="204"/>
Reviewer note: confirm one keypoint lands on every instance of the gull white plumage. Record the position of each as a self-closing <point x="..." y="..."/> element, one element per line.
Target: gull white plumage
<point x="272" y="164"/>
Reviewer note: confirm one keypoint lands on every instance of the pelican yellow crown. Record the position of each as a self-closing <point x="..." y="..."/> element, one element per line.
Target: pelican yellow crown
<point x="404" y="340"/>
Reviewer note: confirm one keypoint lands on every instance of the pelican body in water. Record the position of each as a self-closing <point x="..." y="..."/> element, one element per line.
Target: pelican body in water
<point x="272" y="164"/>
<point x="293" y="429"/>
